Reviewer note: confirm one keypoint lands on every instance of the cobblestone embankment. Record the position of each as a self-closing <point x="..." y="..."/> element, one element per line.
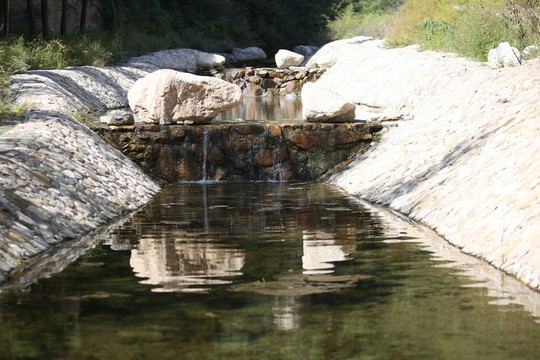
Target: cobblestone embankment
<point x="59" y="180"/>
<point x="465" y="159"/>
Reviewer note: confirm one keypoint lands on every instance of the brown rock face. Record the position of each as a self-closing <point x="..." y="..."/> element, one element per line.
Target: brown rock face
<point x="177" y="97"/>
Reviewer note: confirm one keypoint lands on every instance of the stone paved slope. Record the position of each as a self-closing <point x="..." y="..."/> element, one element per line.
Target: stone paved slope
<point x="466" y="158"/>
<point x="59" y="180"/>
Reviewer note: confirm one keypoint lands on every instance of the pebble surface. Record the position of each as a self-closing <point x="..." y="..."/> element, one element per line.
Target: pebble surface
<point x="464" y="159"/>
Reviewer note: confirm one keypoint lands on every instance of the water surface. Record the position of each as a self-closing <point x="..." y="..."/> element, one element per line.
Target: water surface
<point x="270" y="271"/>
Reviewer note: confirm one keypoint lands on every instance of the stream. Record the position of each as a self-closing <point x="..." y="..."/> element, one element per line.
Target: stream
<point x="270" y="271"/>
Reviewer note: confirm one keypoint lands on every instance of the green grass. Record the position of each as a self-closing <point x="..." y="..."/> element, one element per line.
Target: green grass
<point x="469" y="27"/>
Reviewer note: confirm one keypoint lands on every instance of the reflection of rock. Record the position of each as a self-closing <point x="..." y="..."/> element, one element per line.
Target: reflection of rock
<point x="177" y="266"/>
<point x="300" y="285"/>
<point x="286" y="316"/>
<point x="321" y="251"/>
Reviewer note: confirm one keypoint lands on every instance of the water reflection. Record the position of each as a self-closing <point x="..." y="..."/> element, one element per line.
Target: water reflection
<point x="290" y="271"/>
<point x="265" y="108"/>
<point x="322" y="249"/>
<point x="185" y="266"/>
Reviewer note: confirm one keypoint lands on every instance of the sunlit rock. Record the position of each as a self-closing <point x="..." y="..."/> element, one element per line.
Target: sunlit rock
<point x="179" y="97"/>
<point x="285" y="59"/>
<point x="504" y="55"/>
<point x="322" y="105"/>
<point x="207" y="61"/>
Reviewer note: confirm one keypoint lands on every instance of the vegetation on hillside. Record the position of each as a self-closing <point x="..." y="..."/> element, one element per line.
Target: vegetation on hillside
<point x="469" y="27"/>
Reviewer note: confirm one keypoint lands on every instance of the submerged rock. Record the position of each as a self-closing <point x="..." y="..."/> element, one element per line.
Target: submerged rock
<point x="322" y="105"/>
<point x="179" y="97"/>
<point x="286" y="58"/>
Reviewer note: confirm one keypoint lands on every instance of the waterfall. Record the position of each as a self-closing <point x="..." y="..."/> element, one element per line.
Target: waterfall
<point x="206" y="135"/>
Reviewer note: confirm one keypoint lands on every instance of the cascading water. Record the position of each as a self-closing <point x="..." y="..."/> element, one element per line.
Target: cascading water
<point x="206" y="141"/>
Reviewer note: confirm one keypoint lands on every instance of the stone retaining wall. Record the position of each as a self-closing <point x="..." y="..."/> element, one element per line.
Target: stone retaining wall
<point x="240" y="152"/>
<point x="465" y="162"/>
<point x="268" y="81"/>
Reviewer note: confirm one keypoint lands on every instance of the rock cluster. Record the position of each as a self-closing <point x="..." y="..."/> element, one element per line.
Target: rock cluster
<point x="269" y="81"/>
<point x="174" y="97"/>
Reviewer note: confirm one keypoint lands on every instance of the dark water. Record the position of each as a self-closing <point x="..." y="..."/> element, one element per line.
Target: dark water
<point x="270" y="271"/>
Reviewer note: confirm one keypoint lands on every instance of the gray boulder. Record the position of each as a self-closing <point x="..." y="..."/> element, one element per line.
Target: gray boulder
<point x="306" y="50"/>
<point x="285" y="59"/>
<point x="120" y="118"/>
<point x="249" y="54"/>
<point x="322" y="105"/>
<point x="168" y="95"/>
<point x="504" y="55"/>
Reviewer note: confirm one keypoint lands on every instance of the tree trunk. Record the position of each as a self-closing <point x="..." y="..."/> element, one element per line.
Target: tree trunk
<point x="6" y="10"/>
<point x="84" y="7"/>
<point x="45" y="19"/>
<point x="63" y="20"/>
<point x="31" y="19"/>
<point x="113" y="11"/>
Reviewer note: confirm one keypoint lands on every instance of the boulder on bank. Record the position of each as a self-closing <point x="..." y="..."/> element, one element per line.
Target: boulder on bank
<point x="119" y="118"/>
<point x="307" y="50"/>
<point x="504" y="55"/>
<point x="322" y="105"/>
<point x="177" y="59"/>
<point x="208" y="61"/>
<point x="249" y="54"/>
<point x="177" y="97"/>
<point x="285" y="59"/>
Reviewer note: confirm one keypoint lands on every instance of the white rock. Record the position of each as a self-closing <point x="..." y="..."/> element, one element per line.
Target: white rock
<point x="249" y="54"/>
<point x="285" y="58"/>
<point x="329" y="54"/>
<point x="207" y="61"/>
<point x="504" y="55"/>
<point x="177" y="96"/>
<point x="321" y="105"/>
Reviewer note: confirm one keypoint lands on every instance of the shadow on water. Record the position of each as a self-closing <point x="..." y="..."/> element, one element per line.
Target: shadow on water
<point x="258" y="270"/>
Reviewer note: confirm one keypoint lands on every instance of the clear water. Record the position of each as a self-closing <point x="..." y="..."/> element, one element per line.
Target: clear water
<point x="270" y="271"/>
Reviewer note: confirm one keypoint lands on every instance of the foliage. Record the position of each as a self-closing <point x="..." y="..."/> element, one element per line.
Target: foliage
<point x="468" y="27"/>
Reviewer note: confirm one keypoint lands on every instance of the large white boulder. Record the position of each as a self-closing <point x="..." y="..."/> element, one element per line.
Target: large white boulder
<point x="249" y="54"/>
<point x="172" y="97"/>
<point x="285" y="59"/>
<point x="322" y="105"/>
<point x="504" y="55"/>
